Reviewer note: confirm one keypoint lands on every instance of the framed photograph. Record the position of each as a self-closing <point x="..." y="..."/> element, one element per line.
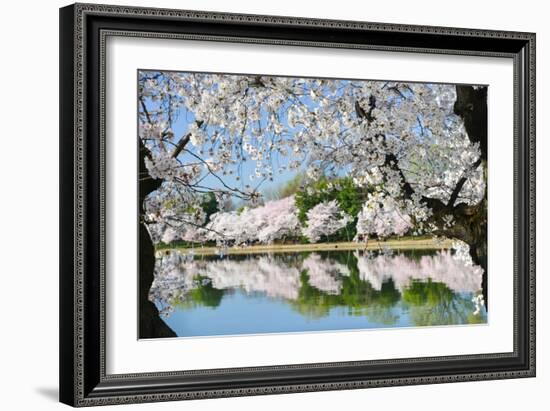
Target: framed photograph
<point x="260" y="204"/>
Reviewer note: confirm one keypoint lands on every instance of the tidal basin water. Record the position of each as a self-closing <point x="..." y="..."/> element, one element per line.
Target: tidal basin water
<point x="314" y="291"/>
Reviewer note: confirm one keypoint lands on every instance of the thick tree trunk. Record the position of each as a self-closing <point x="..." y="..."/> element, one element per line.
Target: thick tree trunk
<point x="470" y="221"/>
<point x="478" y="252"/>
<point x="474" y="225"/>
<point x="150" y="323"/>
<point x="470" y="226"/>
<point x="471" y="105"/>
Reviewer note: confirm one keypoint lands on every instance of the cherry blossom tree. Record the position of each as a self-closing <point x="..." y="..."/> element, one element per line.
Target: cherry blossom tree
<point x="172" y="219"/>
<point x="280" y="220"/>
<point x="424" y="146"/>
<point x="266" y="223"/>
<point x="325" y="219"/>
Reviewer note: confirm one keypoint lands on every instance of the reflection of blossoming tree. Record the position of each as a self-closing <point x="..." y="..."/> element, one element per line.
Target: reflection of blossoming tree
<point x="445" y="268"/>
<point x="314" y="283"/>
<point x="422" y="145"/>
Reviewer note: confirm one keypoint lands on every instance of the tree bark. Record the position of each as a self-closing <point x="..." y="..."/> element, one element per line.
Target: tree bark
<point x="150" y="323"/>
<point x="470" y="222"/>
<point x="471" y="227"/>
<point x="471" y="105"/>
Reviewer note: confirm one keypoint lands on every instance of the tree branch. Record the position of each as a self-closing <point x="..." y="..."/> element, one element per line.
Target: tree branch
<point x="460" y="184"/>
<point x="183" y="141"/>
<point x="145" y="111"/>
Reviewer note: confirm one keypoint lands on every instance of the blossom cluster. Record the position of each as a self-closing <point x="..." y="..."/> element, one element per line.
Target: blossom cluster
<point x="383" y="216"/>
<point x="325" y="219"/>
<point x="272" y="221"/>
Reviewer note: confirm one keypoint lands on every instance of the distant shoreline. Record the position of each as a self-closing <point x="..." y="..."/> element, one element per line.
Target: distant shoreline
<point x="409" y="243"/>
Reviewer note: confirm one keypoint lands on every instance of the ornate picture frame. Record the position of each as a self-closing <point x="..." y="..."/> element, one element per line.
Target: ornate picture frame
<point x="84" y="30"/>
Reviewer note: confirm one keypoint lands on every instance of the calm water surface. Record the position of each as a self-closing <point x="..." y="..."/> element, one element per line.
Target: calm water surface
<point x="314" y="291"/>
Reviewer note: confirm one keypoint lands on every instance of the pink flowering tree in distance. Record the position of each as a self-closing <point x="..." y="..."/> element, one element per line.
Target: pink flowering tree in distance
<point x="266" y="223"/>
<point x="420" y="148"/>
<point x="324" y="220"/>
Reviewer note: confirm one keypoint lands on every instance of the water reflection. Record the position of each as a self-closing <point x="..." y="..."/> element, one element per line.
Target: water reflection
<point x="237" y="294"/>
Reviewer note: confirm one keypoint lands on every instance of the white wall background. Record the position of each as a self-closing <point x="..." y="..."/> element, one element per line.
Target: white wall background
<point x="29" y="204"/>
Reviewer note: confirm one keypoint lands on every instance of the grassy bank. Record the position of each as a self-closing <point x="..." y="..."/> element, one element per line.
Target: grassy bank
<point x="405" y="243"/>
